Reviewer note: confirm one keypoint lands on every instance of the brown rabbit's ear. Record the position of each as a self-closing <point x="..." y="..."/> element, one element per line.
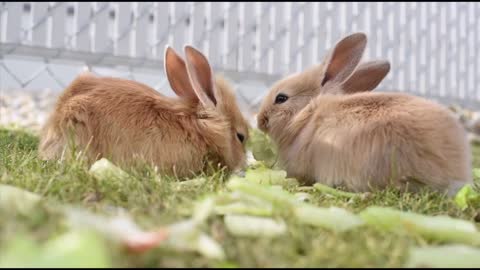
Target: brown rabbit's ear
<point x="366" y="77"/>
<point x="343" y="59"/>
<point x="201" y="76"/>
<point x="177" y="75"/>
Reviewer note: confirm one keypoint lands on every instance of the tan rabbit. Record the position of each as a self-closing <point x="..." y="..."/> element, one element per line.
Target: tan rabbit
<point x="127" y="121"/>
<point x="331" y="129"/>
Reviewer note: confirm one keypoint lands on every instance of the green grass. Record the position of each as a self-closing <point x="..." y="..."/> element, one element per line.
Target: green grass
<point x="154" y="200"/>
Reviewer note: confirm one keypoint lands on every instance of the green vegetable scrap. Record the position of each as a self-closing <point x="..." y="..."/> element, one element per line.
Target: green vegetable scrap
<point x="332" y="218"/>
<point x="244" y="208"/>
<point x="187" y="236"/>
<point x="449" y="256"/>
<point x="265" y="192"/>
<point x="263" y="149"/>
<point x="466" y="197"/>
<point x="17" y="200"/>
<point x="476" y="173"/>
<point x="441" y="228"/>
<point x="264" y="175"/>
<point x="241" y="225"/>
<point x="75" y="249"/>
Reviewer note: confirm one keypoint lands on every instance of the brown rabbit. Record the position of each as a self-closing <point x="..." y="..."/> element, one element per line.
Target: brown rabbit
<point x="126" y="121"/>
<point x="330" y="128"/>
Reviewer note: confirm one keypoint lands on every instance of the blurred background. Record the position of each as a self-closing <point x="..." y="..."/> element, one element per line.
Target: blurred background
<point x="432" y="46"/>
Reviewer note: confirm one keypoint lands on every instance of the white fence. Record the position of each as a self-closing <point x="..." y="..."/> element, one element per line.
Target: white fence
<point x="433" y="47"/>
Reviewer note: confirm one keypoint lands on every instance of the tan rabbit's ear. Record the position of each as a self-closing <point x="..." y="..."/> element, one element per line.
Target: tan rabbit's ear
<point x="366" y="77"/>
<point x="201" y="76"/>
<point x="177" y="75"/>
<point x="343" y="59"/>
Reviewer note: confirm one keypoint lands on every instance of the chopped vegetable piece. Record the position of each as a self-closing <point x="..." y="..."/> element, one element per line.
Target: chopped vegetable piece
<point x="441" y="228"/>
<point x="243" y="208"/>
<point x="241" y="225"/>
<point x="332" y="218"/>
<point x="209" y="247"/>
<point x="75" y="249"/>
<point x="18" y="200"/>
<point x="271" y="194"/>
<point x="262" y="175"/>
<point x="262" y="147"/>
<point x="103" y="169"/>
<point x="450" y="256"/>
<point x="467" y="196"/>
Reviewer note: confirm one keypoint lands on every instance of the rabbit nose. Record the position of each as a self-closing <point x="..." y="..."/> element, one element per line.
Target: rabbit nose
<point x="262" y="123"/>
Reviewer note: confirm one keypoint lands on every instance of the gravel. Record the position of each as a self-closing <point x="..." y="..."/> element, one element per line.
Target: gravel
<point x="26" y="109"/>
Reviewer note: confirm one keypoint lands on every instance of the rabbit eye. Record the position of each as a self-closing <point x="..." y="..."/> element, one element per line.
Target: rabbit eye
<point x="241" y="137"/>
<point x="281" y="98"/>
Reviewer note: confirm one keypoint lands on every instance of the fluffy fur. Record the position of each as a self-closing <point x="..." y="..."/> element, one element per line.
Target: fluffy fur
<point x="333" y="130"/>
<point x="129" y="122"/>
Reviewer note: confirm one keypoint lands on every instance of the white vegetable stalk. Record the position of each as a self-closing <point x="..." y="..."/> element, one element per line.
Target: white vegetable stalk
<point x="103" y="169"/>
<point x="241" y="225"/>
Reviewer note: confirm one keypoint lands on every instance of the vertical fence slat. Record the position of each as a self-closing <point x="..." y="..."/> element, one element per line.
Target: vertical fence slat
<point x="123" y="24"/>
<point x="162" y="27"/>
<point x="432" y="11"/>
<point x="180" y="27"/>
<point x="460" y="63"/>
<point x="232" y="35"/>
<point x="101" y="27"/>
<point x="215" y="34"/>
<point x="199" y="25"/>
<point x="395" y="60"/>
<point x="248" y="31"/>
<point x="280" y="38"/>
<point x="323" y="14"/>
<point x="39" y="33"/>
<point x="58" y="25"/>
<point x="294" y="29"/>
<point x="443" y="52"/>
<point x="141" y="48"/>
<point x="307" y="54"/>
<point x="263" y="37"/>
<point x="451" y="51"/>
<point x="82" y="26"/>
<point x="13" y="22"/>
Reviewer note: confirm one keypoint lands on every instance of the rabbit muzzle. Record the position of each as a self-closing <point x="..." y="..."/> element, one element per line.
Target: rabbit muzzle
<point x="262" y="123"/>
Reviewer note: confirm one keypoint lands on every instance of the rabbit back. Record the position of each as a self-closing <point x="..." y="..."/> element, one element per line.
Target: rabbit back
<point x="124" y="121"/>
<point x="371" y="140"/>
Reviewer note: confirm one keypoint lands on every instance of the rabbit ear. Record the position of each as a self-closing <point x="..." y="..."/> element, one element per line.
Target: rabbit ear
<point x="201" y="76"/>
<point x="366" y="77"/>
<point x="343" y="59"/>
<point x="177" y="75"/>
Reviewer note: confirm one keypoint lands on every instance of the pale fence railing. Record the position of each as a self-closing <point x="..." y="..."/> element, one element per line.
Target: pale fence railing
<point x="432" y="46"/>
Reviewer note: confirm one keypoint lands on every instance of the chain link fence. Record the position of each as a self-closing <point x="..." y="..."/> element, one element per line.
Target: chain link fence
<point x="432" y="46"/>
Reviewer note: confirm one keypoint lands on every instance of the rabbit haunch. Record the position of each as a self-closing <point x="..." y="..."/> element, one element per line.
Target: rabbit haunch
<point x="129" y="122"/>
<point x="330" y="128"/>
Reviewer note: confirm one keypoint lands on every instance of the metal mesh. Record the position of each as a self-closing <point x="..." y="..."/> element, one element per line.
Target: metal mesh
<point x="432" y="46"/>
